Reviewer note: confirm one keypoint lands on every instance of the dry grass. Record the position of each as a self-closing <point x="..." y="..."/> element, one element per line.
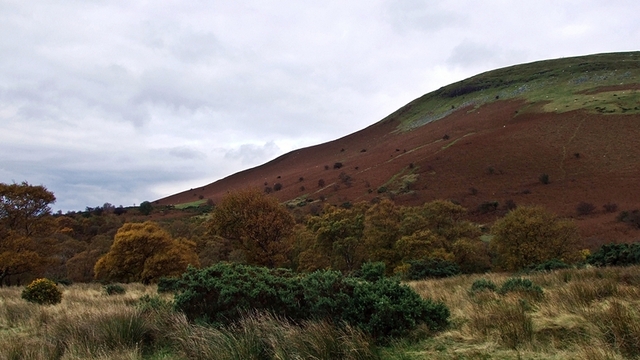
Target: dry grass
<point x="89" y="324"/>
<point x="584" y="314"/>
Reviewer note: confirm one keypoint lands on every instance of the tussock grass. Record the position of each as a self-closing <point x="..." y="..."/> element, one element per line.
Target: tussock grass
<point x="590" y="313"/>
<point x="88" y="324"/>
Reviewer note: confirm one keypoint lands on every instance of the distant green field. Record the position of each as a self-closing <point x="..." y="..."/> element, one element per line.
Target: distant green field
<point x="190" y="204"/>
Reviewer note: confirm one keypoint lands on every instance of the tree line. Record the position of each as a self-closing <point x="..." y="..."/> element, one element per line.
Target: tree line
<point x="253" y="228"/>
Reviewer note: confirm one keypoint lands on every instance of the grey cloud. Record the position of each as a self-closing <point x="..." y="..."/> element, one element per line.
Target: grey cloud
<point x="130" y="101"/>
<point x="421" y="15"/>
<point x="252" y="154"/>
<point x="186" y="153"/>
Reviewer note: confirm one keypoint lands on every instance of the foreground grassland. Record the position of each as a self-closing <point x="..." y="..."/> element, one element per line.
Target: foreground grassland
<point x="581" y="314"/>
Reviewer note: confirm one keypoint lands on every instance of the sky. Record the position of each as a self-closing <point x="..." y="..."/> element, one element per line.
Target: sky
<point x="125" y="101"/>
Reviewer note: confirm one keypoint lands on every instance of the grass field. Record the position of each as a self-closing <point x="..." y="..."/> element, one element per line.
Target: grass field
<point x="581" y="314"/>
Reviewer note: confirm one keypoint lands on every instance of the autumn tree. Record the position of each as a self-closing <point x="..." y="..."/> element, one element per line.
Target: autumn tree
<point x="25" y="218"/>
<point x="23" y="208"/>
<point x="531" y="235"/>
<point x="382" y="229"/>
<point x="437" y="230"/>
<point x="338" y="242"/>
<point x="255" y="224"/>
<point x="145" y="252"/>
<point x="80" y="268"/>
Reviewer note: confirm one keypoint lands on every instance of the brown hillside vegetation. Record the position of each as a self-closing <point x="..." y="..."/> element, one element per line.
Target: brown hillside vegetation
<point x="484" y="143"/>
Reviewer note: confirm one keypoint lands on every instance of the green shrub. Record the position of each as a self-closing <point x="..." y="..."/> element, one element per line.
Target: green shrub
<point x="166" y="284"/>
<point x="371" y="271"/>
<point x="483" y="285"/>
<point x="521" y="285"/>
<point x="153" y="304"/>
<point x="616" y="255"/>
<point x="114" y="289"/>
<point x="553" y="264"/>
<point x="42" y="291"/>
<point x="224" y="293"/>
<point x="431" y="268"/>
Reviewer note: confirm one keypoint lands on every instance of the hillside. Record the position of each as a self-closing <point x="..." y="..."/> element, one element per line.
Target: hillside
<point x="483" y="140"/>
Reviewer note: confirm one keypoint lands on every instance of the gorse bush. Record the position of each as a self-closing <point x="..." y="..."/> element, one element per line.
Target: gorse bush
<point x="616" y="255"/>
<point x="521" y="285"/>
<point x="549" y="265"/>
<point x="114" y="289"/>
<point x="371" y="271"/>
<point x="42" y="291"/>
<point x="483" y="285"/>
<point x="223" y="293"/>
<point x="431" y="268"/>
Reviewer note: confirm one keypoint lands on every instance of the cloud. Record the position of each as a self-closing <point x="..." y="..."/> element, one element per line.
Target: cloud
<point x="123" y="102"/>
<point x="248" y="154"/>
<point x="187" y="153"/>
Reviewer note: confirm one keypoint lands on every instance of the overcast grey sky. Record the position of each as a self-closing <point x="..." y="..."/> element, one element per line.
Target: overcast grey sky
<point x="126" y="101"/>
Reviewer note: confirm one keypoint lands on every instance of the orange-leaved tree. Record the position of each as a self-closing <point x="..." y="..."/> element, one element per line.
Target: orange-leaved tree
<point x="145" y="252"/>
<point x="255" y="224"/>
<point x="25" y="217"/>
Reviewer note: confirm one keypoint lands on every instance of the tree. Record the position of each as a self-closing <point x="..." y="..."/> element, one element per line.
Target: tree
<point x="256" y="224"/>
<point x="146" y="208"/>
<point x="339" y="236"/>
<point x="24" y="216"/>
<point x="145" y="252"/>
<point x="382" y="231"/>
<point x="531" y="235"/>
<point x="23" y="206"/>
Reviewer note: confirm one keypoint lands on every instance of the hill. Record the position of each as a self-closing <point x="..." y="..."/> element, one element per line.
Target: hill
<point x="555" y="133"/>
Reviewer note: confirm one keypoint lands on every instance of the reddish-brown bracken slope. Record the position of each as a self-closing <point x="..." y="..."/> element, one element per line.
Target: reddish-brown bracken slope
<point x="477" y="154"/>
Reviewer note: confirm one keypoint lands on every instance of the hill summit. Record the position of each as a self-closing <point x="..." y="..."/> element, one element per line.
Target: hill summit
<point x="564" y="134"/>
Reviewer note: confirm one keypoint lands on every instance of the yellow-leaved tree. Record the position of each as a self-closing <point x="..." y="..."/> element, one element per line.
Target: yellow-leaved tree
<point x="532" y="235"/>
<point x="338" y="239"/>
<point x="255" y="224"/>
<point x="145" y="252"/>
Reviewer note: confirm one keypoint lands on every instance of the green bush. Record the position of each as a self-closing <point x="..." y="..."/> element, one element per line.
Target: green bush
<point x="616" y="255"/>
<point x="153" y="304"/>
<point x="166" y="285"/>
<point x="114" y="289"/>
<point x="371" y="271"/>
<point x="431" y="268"/>
<point x="42" y="291"/>
<point x="482" y="285"/>
<point x="224" y="293"/>
<point x="553" y="264"/>
<point x="521" y="285"/>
